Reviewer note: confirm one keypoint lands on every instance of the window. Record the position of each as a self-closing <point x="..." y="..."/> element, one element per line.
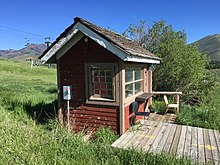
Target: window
<point x="133" y="81"/>
<point x="101" y="82"/>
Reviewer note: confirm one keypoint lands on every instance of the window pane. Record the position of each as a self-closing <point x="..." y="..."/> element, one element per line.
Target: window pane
<point x="128" y="90"/>
<point x="96" y="92"/>
<point x="103" y="93"/>
<point x="128" y="75"/>
<point x="101" y="79"/>
<point x="96" y="79"/>
<point x="96" y="86"/>
<point x="109" y="92"/>
<point x="109" y="79"/>
<point x="138" y="87"/>
<point x="137" y="73"/>
<point x="102" y="72"/>
<point x="103" y="86"/>
<point x="109" y="85"/>
<point x="95" y="73"/>
<point x="109" y="73"/>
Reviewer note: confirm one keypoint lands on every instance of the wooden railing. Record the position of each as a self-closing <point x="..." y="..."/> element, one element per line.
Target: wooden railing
<point x="169" y="93"/>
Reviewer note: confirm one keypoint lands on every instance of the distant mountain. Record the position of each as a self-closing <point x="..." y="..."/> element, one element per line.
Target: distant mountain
<point x="31" y="51"/>
<point x="211" y="46"/>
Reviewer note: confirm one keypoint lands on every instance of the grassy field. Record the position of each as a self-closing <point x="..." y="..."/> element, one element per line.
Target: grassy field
<point x="30" y="134"/>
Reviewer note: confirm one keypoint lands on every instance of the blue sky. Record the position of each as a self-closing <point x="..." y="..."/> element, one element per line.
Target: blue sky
<point x="37" y="19"/>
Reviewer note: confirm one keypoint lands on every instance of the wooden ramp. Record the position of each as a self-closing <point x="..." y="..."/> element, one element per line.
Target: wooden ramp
<point x="159" y="134"/>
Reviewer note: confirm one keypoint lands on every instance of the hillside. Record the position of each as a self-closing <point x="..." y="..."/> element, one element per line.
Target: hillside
<point x="30" y="51"/>
<point x="211" y="46"/>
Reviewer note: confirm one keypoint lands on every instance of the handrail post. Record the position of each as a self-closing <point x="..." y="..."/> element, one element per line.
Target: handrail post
<point x="177" y="98"/>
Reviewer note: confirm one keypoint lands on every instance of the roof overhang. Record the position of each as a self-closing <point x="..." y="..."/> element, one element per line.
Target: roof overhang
<point x="75" y="34"/>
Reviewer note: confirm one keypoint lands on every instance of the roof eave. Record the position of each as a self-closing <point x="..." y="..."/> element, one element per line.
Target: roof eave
<point x="55" y="50"/>
<point x="139" y="59"/>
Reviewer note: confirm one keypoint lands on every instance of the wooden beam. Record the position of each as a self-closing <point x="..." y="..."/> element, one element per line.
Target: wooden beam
<point x="122" y="96"/>
<point x="149" y="86"/>
<point x="166" y="93"/>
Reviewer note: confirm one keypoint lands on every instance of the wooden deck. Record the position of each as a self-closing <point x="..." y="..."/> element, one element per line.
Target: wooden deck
<point x="159" y="134"/>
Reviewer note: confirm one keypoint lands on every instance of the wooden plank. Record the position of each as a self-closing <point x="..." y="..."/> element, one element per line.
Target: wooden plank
<point x="217" y="138"/>
<point x="143" y="97"/>
<point x="194" y="148"/>
<point x="94" y="113"/>
<point x="169" y="141"/>
<point x="138" y="135"/>
<point x="127" y="138"/>
<point x="152" y="136"/>
<point x="90" y="119"/>
<point x="93" y="125"/>
<point x="175" y="142"/>
<point x="166" y="93"/>
<point x="201" y="150"/>
<point x="213" y="147"/>
<point x="148" y="135"/>
<point x="95" y="117"/>
<point x="152" y="116"/>
<point x="187" y="145"/>
<point x="163" y="140"/>
<point x="181" y="144"/>
<point x="101" y="109"/>
<point x="159" y="137"/>
<point x="208" y="152"/>
<point x="120" y="139"/>
<point x="142" y="133"/>
<point x="94" y="121"/>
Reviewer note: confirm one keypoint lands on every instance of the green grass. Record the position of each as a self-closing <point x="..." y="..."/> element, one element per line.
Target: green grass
<point x="30" y="134"/>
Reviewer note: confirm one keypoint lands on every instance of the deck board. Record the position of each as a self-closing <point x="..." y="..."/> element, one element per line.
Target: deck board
<point x="180" y="146"/>
<point x="158" y="137"/>
<point x="187" y="145"/>
<point x="148" y="136"/>
<point x="175" y="141"/>
<point x="208" y="152"/>
<point x="169" y="141"/>
<point x="151" y="137"/>
<point x="158" y="134"/>
<point x="213" y="147"/>
<point x="163" y="139"/>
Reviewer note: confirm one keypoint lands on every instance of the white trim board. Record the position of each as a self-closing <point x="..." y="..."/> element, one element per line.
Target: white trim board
<point x="73" y="36"/>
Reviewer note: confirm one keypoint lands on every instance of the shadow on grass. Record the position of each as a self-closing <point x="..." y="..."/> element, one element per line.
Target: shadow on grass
<point x="41" y="112"/>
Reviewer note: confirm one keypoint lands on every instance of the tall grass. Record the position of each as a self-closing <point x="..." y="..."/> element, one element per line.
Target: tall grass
<point x="30" y="135"/>
<point x="206" y="115"/>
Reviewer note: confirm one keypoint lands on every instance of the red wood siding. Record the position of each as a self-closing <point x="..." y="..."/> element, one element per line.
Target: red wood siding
<point x="72" y="67"/>
<point x="88" y="118"/>
<point x="128" y="117"/>
<point x="72" y="72"/>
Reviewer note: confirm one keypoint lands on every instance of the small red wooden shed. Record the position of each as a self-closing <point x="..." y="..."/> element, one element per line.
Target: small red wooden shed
<point x="107" y="72"/>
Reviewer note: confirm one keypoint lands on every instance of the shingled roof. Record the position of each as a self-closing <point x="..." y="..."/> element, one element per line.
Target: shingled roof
<point x="129" y="47"/>
<point x="126" y="44"/>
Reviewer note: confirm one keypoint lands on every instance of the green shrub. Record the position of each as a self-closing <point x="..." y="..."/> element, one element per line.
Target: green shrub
<point x="206" y="117"/>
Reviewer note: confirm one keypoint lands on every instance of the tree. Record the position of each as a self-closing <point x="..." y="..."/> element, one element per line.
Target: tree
<point x="182" y="67"/>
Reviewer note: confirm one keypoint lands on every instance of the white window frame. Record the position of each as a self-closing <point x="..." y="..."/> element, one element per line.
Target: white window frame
<point x="90" y="97"/>
<point x="134" y="81"/>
